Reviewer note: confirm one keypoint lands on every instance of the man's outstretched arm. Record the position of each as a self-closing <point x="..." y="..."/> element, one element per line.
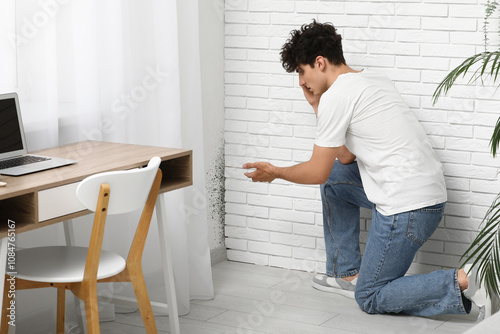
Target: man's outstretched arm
<point x="315" y="171"/>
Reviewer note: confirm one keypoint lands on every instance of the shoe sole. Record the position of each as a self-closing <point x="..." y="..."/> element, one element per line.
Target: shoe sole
<point x="338" y="291"/>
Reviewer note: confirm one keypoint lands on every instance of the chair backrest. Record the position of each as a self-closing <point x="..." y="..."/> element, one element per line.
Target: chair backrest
<point x="114" y="193"/>
<point x="129" y="189"/>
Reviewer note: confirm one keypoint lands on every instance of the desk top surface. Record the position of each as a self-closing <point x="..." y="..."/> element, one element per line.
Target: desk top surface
<point x="93" y="157"/>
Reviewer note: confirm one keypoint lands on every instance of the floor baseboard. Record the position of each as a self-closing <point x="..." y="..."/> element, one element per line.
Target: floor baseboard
<point x="218" y="255"/>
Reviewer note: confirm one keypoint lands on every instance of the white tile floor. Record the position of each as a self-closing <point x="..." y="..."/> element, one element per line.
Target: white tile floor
<point x="252" y="299"/>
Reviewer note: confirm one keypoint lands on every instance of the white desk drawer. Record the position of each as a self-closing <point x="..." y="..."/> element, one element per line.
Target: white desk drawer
<point x="59" y="201"/>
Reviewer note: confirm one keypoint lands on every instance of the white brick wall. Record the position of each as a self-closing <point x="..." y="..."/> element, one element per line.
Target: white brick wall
<point x="417" y="43"/>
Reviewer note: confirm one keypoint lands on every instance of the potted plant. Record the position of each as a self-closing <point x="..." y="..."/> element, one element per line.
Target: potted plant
<point x="484" y="252"/>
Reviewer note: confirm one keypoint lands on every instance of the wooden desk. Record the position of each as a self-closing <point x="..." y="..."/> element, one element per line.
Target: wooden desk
<point x="36" y="200"/>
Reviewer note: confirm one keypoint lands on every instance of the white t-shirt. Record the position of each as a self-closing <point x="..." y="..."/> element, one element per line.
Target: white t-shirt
<point x="398" y="167"/>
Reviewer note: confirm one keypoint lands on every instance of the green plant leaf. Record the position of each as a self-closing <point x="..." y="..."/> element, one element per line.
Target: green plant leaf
<point x="483" y="252"/>
<point x="495" y="138"/>
<point x="460" y="71"/>
<point x="495" y="67"/>
<point x="488" y="59"/>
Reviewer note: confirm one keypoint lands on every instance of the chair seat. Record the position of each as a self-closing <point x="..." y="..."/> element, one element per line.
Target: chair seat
<point x="63" y="264"/>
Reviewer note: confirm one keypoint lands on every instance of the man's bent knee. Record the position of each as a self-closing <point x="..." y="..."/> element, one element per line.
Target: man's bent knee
<point x="365" y="302"/>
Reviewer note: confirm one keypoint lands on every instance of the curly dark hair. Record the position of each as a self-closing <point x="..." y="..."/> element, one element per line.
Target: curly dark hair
<point x="312" y="40"/>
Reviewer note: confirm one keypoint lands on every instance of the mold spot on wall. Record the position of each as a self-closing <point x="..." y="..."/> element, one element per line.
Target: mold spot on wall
<point x="216" y="194"/>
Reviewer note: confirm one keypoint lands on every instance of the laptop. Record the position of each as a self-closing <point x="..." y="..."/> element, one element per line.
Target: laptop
<point x="14" y="157"/>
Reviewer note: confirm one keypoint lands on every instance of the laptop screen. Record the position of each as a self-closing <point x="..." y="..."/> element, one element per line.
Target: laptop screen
<point x="10" y="132"/>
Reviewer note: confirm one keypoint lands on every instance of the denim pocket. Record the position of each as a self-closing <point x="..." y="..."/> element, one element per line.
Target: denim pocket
<point x="423" y="222"/>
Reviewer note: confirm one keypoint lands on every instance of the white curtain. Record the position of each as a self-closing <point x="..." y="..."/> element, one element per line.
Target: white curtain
<point x="124" y="71"/>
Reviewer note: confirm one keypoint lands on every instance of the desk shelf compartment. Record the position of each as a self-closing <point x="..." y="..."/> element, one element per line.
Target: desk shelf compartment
<point x="20" y="209"/>
<point x="177" y="173"/>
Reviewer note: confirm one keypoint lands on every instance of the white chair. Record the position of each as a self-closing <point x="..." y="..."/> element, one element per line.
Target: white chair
<point x="79" y="269"/>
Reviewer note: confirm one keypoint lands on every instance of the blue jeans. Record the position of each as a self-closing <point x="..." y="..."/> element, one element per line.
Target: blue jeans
<point x="392" y="243"/>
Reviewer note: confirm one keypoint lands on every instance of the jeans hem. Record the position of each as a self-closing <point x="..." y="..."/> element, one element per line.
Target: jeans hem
<point x="350" y="273"/>
<point x="461" y="306"/>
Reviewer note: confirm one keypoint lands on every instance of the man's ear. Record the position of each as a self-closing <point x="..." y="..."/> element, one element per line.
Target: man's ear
<point x="321" y="62"/>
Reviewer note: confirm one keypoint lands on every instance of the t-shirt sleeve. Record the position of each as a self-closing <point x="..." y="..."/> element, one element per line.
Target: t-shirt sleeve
<point x="334" y="117"/>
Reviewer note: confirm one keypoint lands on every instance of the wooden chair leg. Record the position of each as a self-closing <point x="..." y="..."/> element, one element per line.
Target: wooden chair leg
<point x="141" y="294"/>
<point x="61" y="308"/>
<point x="4" y="328"/>
<point x="92" y="314"/>
<point x="80" y="314"/>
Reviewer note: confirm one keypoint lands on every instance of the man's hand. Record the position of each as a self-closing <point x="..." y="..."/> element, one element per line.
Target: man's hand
<point x="311" y="98"/>
<point x="345" y="156"/>
<point x="263" y="173"/>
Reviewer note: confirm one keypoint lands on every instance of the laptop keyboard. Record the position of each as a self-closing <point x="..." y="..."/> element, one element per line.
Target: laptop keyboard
<point x="19" y="161"/>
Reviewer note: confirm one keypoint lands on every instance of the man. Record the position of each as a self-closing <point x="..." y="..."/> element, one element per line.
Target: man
<point x="392" y="169"/>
